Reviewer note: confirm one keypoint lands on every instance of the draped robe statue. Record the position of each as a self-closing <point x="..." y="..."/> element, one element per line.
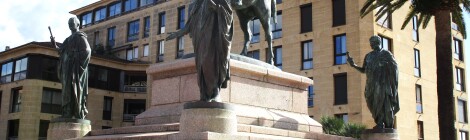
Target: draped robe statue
<point x="74" y="56"/>
<point x="381" y="92"/>
<point x="210" y="27"/>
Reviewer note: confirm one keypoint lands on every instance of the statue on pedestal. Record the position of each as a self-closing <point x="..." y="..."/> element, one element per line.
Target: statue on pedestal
<point x="381" y="90"/>
<point x="74" y="56"/>
<point x="210" y="27"/>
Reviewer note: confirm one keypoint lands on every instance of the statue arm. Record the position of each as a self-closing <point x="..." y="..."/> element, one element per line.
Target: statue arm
<point x="354" y="65"/>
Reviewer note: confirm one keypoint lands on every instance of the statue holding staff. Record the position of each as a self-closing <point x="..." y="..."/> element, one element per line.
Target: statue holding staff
<point x="74" y="56"/>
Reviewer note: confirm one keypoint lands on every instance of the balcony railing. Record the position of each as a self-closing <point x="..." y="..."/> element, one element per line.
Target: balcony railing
<point x="129" y="117"/>
<point x="136" y="89"/>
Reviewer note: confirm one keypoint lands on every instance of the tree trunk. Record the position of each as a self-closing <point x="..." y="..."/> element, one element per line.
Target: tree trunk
<point x="445" y="81"/>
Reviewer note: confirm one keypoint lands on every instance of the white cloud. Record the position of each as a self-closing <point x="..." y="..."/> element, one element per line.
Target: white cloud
<point x="24" y="21"/>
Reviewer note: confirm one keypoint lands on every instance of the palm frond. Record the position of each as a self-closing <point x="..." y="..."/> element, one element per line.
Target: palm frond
<point x="408" y="18"/>
<point x="457" y="18"/>
<point x="426" y="19"/>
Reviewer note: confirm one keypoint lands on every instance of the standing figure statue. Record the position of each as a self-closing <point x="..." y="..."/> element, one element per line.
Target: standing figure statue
<point x="382" y="83"/>
<point x="265" y="11"/>
<point x="210" y="27"/>
<point x="74" y="56"/>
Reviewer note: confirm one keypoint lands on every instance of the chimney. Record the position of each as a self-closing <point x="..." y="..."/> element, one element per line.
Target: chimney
<point x="7" y="48"/>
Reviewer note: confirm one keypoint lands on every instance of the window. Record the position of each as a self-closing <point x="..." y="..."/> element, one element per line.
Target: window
<point x="129" y="54"/>
<point x="341" y="89"/>
<point x="21" y="67"/>
<point x="385" y="20"/>
<point x="136" y="53"/>
<point x="420" y="130"/>
<point x="180" y="17"/>
<point x="15" y="100"/>
<point x="133" y="31"/>
<point x="458" y="51"/>
<point x="253" y="54"/>
<point x="13" y="129"/>
<point x="306" y="18"/>
<point x="111" y="36"/>
<point x="419" y="99"/>
<point x="343" y="117"/>
<point x="146" y="50"/>
<point x="146" y="2"/>
<point x="277" y="27"/>
<point x="161" y="50"/>
<point x="86" y="19"/>
<point x="463" y="135"/>
<point x="277" y="56"/>
<point x="339" y="12"/>
<point x="161" y="23"/>
<point x="146" y="27"/>
<point x="311" y="95"/>
<point x="255" y="30"/>
<point x="107" y="107"/>
<point x="97" y="38"/>
<point x="106" y="127"/>
<point x="180" y="49"/>
<point x="130" y="5"/>
<point x="307" y="55"/>
<point x="415" y="29"/>
<point x="460" y="86"/>
<point x="98" y="77"/>
<point x="115" y="9"/>
<point x="100" y="14"/>
<point x="51" y="101"/>
<point x="43" y="127"/>
<point x="462" y="110"/>
<point x="340" y="49"/>
<point x="49" y="69"/>
<point x="7" y="70"/>
<point x="278" y="1"/>
<point x="417" y="64"/>
<point x="132" y="108"/>
<point x="386" y="43"/>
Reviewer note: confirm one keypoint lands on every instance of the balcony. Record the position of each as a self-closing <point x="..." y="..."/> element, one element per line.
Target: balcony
<point x="135" y="89"/>
<point x="129" y="117"/>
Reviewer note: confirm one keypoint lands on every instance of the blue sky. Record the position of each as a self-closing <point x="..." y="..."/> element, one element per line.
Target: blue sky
<point x="23" y="21"/>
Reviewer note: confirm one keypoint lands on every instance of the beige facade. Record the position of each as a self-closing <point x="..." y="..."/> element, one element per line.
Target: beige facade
<point x="357" y="31"/>
<point x="31" y="99"/>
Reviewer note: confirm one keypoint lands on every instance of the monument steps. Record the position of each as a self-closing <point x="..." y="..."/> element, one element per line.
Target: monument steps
<point x="170" y="131"/>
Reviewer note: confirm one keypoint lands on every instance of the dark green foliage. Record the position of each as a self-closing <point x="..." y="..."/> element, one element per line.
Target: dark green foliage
<point x="336" y="126"/>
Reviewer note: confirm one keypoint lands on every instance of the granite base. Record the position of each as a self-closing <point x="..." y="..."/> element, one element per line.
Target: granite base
<point x="65" y="128"/>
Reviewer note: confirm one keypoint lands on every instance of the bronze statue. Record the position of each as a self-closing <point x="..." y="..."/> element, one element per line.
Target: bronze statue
<point x="264" y="10"/>
<point x="74" y="56"/>
<point x="381" y="91"/>
<point x="210" y="27"/>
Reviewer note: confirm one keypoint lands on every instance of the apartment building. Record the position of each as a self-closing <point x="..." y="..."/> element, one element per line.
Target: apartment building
<point x="30" y="91"/>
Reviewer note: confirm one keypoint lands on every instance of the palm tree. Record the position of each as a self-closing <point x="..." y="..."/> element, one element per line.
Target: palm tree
<point x="441" y="10"/>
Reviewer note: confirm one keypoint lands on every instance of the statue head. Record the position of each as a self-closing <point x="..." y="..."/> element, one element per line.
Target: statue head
<point x="74" y="24"/>
<point x="375" y="42"/>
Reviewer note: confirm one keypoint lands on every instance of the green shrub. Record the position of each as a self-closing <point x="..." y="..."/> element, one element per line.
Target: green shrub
<point x="336" y="126"/>
<point x="353" y="130"/>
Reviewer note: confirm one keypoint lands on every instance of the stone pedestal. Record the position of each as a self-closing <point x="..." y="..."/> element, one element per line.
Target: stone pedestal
<point x="200" y="117"/>
<point x="380" y="134"/>
<point x="62" y="128"/>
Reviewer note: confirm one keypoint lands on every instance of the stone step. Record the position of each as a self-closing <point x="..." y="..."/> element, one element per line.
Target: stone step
<point x="172" y="135"/>
<point x="137" y="129"/>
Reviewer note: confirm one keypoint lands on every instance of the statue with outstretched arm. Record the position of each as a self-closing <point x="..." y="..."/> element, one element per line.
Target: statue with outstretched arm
<point x="210" y="28"/>
<point x="381" y="91"/>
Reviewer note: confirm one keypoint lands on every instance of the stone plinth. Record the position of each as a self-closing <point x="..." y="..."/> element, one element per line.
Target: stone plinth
<point x="198" y="117"/>
<point x="262" y="95"/>
<point x="380" y="134"/>
<point x="63" y="128"/>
